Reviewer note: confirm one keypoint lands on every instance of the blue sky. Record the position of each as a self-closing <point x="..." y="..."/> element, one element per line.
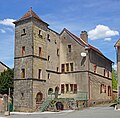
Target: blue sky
<point x="101" y="19"/>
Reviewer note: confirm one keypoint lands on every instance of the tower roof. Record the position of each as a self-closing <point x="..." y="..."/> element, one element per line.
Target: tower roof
<point x="30" y="14"/>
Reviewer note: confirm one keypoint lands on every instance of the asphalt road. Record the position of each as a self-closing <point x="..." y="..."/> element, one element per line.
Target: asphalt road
<point x="93" y="112"/>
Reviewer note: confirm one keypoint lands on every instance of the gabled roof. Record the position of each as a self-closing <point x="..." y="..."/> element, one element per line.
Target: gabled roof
<point x="30" y="14"/>
<point x="117" y="43"/>
<point x="83" y="43"/>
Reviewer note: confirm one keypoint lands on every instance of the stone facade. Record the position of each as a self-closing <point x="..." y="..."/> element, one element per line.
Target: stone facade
<point x="62" y="64"/>
<point x="117" y="45"/>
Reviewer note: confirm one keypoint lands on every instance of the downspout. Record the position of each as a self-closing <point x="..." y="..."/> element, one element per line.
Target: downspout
<point x="88" y="79"/>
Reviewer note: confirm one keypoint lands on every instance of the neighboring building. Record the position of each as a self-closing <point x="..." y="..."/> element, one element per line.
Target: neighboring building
<point x="62" y="64"/>
<point x="3" y="67"/>
<point x="117" y="45"/>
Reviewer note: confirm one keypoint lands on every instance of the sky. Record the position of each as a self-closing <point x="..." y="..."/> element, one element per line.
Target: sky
<point x="101" y="19"/>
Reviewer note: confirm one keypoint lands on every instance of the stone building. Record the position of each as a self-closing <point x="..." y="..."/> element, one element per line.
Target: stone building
<point x="117" y="45"/>
<point x="64" y="66"/>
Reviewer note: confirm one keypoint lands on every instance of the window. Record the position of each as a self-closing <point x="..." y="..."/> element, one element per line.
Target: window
<point x="95" y="68"/>
<point x="104" y="88"/>
<point x="62" y="88"/>
<point x="39" y="51"/>
<point x="23" y="50"/>
<point x="57" y="69"/>
<point x="63" y="68"/>
<point x="50" y="91"/>
<point x="67" y="88"/>
<point x="48" y="75"/>
<point x="71" y="66"/>
<point x="23" y="32"/>
<point x="39" y="97"/>
<point x="75" y="88"/>
<point x="67" y="67"/>
<point x="109" y="91"/>
<point x="40" y="33"/>
<point x="71" y="87"/>
<point x="57" y="52"/>
<point x="23" y="73"/>
<point x="104" y="72"/>
<point x="39" y="74"/>
<point x="48" y="58"/>
<point x="48" y="37"/>
<point x="107" y="73"/>
<point x="69" y="48"/>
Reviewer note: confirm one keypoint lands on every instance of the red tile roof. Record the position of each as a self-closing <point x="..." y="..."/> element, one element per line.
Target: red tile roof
<point x="29" y="14"/>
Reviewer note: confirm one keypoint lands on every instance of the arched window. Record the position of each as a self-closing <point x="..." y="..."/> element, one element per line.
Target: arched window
<point x="50" y="90"/>
<point x="39" y="97"/>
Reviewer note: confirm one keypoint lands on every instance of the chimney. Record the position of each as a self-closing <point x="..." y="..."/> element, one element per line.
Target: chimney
<point x="84" y="36"/>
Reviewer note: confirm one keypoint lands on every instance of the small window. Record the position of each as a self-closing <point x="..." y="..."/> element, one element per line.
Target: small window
<point x="62" y="88"/>
<point x="57" y="69"/>
<point x="23" y="31"/>
<point x="48" y="75"/>
<point x="71" y="87"/>
<point x="48" y="37"/>
<point x="95" y="68"/>
<point x="57" y="52"/>
<point x="109" y="91"/>
<point x="50" y="91"/>
<point x="71" y="66"/>
<point x="63" y="68"/>
<point x="39" y="73"/>
<point x="23" y="50"/>
<point x="40" y="33"/>
<point x="23" y="73"/>
<point x="48" y="58"/>
<point x="107" y="73"/>
<point x="67" y="67"/>
<point x="104" y="72"/>
<point x="69" y="48"/>
<point x="67" y="88"/>
<point x="104" y="88"/>
<point x="75" y="88"/>
<point x="40" y="51"/>
<point x="55" y="42"/>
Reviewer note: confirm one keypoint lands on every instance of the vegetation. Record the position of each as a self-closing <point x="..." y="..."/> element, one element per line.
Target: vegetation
<point x="114" y="79"/>
<point x="6" y="81"/>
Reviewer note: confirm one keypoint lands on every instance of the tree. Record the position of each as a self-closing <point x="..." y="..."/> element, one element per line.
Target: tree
<point x="114" y="79"/>
<point x="6" y="81"/>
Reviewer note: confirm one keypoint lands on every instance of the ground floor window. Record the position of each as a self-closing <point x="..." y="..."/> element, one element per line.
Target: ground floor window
<point x="39" y="97"/>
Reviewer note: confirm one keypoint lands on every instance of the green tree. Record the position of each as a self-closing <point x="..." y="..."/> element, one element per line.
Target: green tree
<point x="114" y="79"/>
<point x="6" y="81"/>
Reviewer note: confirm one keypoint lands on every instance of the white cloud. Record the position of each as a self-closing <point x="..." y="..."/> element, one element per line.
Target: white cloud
<point x="107" y="39"/>
<point x="2" y="31"/>
<point x="101" y="31"/>
<point x="7" y="22"/>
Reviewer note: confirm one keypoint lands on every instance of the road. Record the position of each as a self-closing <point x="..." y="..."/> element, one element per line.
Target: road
<point x="93" y="112"/>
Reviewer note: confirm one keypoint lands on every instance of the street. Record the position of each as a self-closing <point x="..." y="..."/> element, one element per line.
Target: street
<point x="93" y="112"/>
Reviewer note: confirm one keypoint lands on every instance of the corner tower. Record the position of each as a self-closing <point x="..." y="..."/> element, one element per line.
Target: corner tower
<point x="30" y="62"/>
